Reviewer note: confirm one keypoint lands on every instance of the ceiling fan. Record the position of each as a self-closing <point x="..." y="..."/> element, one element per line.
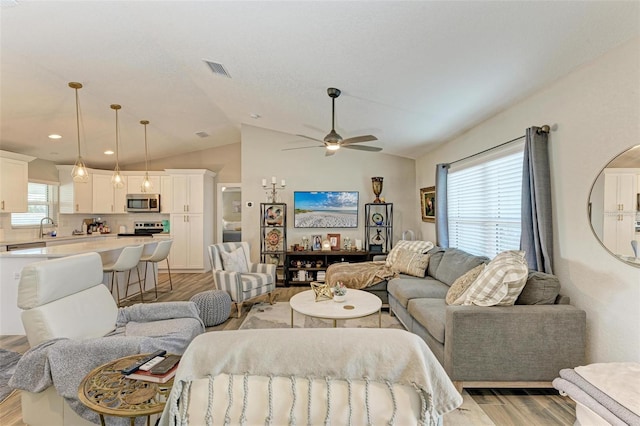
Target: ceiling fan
<point x="333" y="141"/>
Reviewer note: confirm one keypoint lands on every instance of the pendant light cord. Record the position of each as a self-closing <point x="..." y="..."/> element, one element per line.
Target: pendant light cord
<point x="78" y="120"/>
<point x="146" y="168"/>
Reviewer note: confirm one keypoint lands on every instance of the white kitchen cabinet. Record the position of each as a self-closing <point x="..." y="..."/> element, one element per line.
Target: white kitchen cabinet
<point x="134" y="184"/>
<point x="188" y="250"/>
<point x="188" y="193"/>
<point x="619" y="191"/>
<point x="620" y="199"/>
<point x="166" y="194"/>
<point x="106" y="198"/>
<point x="75" y="197"/>
<point x="14" y="180"/>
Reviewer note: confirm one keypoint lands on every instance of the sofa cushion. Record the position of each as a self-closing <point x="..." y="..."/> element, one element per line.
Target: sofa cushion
<point x="461" y="285"/>
<point x="540" y="289"/>
<point x="431" y="314"/>
<point x="411" y="263"/>
<point x="436" y="254"/>
<point x="501" y="281"/>
<point x="414" y="246"/>
<point x="455" y="263"/>
<point x="405" y="288"/>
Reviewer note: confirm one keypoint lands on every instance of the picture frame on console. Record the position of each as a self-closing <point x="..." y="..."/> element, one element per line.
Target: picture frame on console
<point x="428" y="203"/>
<point x="334" y="240"/>
<point x="316" y="242"/>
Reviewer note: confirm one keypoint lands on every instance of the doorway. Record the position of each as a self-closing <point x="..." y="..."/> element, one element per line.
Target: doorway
<point x="229" y="213"/>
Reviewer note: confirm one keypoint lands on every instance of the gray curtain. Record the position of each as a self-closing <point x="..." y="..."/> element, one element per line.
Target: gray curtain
<point x="537" y="224"/>
<point x="442" y="218"/>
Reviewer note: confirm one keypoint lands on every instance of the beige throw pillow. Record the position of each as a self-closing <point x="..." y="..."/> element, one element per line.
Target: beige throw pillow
<point x="461" y="284"/>
<point x="234" y="261"/>
<point x="501" y="282"/>
<point x="414" y="246"/>
<point x="411" y="263"/>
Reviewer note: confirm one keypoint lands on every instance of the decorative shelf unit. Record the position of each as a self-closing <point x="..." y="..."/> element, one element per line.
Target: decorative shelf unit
<point x="273" y="237"/>
<point x="378" y="227"/>
<point x="311" y="262"/>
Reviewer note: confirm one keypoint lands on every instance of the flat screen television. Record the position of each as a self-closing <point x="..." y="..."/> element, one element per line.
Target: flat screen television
<point x="325" y="209"/>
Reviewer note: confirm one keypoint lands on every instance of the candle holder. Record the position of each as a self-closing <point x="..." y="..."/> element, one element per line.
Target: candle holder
<point x="272" y="194"/>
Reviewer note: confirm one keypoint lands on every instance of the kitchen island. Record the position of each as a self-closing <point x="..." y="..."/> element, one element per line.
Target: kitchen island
<point x="12" y="262"/>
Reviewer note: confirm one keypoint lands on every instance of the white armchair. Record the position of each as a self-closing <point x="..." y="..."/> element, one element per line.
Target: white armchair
<point x="66" y="298"/>
<point x="260" y="278"/>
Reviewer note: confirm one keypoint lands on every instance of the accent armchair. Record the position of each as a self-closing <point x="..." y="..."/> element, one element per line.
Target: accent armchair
<point x="259" y="278"/>
<point x="73" y="325"/>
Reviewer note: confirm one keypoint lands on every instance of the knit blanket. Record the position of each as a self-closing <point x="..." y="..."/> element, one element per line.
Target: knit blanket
<point x="358" y="275"/>
<point x="382" y="355"/>
<point x="611" y="390"/>
<point x="63" y="363"/>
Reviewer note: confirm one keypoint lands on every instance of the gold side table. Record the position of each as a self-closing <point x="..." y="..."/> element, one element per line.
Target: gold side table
<point x="108" y="392"/>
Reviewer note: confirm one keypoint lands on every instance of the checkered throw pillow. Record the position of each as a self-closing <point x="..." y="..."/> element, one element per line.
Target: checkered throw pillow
<point x="414" y="246"/>
<point x="501" y="281"/>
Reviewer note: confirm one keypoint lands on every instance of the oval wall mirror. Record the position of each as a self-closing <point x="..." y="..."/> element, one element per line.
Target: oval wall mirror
<point x="614" y="207"/>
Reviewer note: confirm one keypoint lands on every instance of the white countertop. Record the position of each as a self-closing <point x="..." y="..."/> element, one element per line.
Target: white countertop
<point x="52" y="239"/>
<point x="98" y="246"/>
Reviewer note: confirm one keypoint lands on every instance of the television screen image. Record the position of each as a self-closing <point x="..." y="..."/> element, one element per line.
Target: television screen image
<point x="325" y="209"/>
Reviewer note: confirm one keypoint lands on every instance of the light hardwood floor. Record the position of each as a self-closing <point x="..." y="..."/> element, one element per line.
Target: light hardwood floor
<point x="506" y="407"/>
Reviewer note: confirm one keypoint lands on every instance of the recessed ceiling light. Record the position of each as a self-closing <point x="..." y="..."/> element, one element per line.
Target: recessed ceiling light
<point x="108" y="152"/>
<point x="54" y="136"/>
<point x="254" y="116"/>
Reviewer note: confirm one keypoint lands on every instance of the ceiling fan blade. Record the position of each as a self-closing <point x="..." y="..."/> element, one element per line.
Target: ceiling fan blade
<point x="303" y="147"/>
<point x="363" y="148"/>
<point x="309" y="137"/>
<point x="358" y="139"/>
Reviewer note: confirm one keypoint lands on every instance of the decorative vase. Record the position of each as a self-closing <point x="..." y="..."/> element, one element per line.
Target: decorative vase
<point x="376" y="184"/>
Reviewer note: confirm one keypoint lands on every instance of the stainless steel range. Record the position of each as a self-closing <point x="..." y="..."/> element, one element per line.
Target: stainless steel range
<point x="144" y="228"/>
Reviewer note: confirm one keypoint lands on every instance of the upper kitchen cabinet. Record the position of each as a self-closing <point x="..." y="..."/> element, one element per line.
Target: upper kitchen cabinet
<point x="620" y="190"/>
<point x="14" y="180"/>
<point x="191" y="189"/>
<point x="166" y="194"/>
<point x="134" y="184"/>
<point x="75" y="197"/>
<point x="106" y="198"/>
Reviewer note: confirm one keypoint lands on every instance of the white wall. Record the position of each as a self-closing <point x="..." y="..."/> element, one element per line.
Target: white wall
<point x="310" y="170"/>
<point x="597" y="112"/>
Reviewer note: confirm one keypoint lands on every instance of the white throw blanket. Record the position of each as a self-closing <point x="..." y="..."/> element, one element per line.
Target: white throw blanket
<point x="382" y="355"/>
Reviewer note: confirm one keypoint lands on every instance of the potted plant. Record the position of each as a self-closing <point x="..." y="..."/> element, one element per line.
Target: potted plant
<point x="339" y="292"/>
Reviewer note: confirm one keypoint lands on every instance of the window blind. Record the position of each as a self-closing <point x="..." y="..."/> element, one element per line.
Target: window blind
<point x="484" y="204"/>
<point x="39" y="202"/>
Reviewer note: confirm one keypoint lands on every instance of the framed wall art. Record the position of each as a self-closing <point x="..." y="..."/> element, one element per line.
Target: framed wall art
<point x="428" y="203"/>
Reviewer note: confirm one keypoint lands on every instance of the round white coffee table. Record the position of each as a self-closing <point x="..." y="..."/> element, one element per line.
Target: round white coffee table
<point x="358" y="304"/>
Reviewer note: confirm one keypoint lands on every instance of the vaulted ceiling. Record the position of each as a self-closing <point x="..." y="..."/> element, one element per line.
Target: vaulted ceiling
<point x="412" y="73"/>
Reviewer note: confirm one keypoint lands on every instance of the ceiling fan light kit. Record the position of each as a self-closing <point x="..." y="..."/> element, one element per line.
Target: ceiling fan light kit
<point x="333" y="141"/>
<point x="79" y="172"/>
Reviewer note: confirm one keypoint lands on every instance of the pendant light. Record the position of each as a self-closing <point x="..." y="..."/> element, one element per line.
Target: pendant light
<point x="117" y="180"/>
<point x="147" y="186"/>
<point x="79" y="172"/>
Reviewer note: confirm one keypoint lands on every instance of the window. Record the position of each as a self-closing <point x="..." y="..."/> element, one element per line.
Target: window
<point x="483" y="202"/>
<point x="40" y="205"/>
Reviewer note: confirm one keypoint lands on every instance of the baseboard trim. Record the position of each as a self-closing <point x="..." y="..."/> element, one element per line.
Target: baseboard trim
<point x="520" y="385"/>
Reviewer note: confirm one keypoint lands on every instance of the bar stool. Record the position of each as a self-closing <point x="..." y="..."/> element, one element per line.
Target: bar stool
<point x="127" y="260"/>
<point x="159" y="254"/>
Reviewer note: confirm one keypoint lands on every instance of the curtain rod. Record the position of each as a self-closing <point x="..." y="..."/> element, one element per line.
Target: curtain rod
<point x="543" y="129"/>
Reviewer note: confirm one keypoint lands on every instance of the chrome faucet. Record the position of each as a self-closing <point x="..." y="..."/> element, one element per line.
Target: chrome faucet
<point x="42" y="234"/>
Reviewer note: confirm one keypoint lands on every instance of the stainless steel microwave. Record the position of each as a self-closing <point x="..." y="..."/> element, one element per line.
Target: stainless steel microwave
<point x="143" y="203"/>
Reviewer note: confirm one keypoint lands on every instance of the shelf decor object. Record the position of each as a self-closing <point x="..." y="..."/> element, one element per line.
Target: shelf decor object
<point x="147" y="186"/>
<point x="272" y="197"/>
<point x="378" y="227"/>
<point x="273" y="236"/>
<point x="117" y="180"/>
<point x="79" y="172"/>
<point x="376" y="184"/>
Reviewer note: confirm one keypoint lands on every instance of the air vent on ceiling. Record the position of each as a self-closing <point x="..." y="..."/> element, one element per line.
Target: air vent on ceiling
<point x="202" y="134"/>
<point x="217" y="68"/>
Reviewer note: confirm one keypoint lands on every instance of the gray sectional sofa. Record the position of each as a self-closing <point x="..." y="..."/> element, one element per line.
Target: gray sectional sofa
<point x="524" y="345"/>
